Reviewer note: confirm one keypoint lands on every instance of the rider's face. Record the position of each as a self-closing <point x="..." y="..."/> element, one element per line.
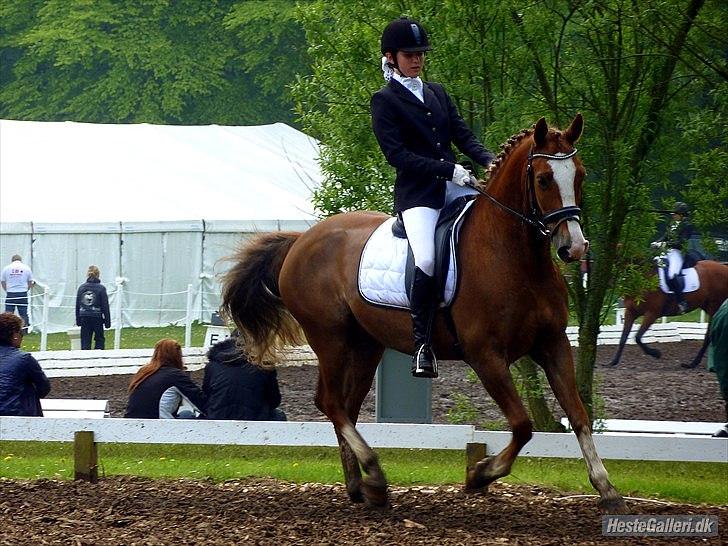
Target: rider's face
<point x="410" y="63"/>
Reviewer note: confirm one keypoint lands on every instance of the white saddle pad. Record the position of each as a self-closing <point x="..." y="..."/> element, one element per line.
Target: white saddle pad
<point x="382" y="267"/>
<point x="692" y="281"/>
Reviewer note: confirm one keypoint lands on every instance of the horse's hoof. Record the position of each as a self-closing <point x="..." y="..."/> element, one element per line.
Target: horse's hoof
<point x="611" y="364"/>
<point x="477" y="479"/>
<point x="375" y="493"/>
<point x="355" y="493"/>
<point x="654" y="353"/>
<point x="614" y="505"/>
<point x="689" y="366"/>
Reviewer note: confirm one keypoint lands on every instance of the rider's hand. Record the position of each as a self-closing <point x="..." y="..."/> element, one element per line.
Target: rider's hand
<point x="460" y="175"/>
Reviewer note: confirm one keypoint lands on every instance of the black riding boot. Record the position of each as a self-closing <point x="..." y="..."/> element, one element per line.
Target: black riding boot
<point x="678" y="281"/>
<point x="422" y="304"/>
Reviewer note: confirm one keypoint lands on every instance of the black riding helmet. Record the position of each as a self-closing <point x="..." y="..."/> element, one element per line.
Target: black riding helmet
<point x="404" y="34"/>
<point x="681" y="208"/>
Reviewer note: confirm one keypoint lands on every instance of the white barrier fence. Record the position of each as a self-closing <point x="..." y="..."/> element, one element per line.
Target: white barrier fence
<point x="128" y="361"/>
<point x="118" y="308"/>
<point x="630" y="446"/>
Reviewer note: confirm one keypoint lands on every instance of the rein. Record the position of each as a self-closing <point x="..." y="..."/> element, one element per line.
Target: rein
<point x="536" y="218"/>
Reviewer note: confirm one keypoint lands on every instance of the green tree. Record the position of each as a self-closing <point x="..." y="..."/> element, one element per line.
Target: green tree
<point x="188" y="62"/>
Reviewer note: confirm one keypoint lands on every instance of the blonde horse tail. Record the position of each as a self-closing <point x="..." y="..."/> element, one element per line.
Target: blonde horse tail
<point x="251" y="298"/>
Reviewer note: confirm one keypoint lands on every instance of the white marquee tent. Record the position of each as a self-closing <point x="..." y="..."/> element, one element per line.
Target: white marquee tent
<point x="155" y="207"/>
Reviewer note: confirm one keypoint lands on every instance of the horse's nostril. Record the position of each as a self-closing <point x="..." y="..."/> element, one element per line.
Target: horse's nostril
<point x="563" y="253"/>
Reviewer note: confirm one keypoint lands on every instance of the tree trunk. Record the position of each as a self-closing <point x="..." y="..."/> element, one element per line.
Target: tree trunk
<point x="541" y="415"/>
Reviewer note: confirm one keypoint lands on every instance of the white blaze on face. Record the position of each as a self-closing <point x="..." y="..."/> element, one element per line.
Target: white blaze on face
<point x="564" y="174"/>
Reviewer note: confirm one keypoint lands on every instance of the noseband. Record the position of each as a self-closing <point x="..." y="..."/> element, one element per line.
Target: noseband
<point x="536" y="218"/>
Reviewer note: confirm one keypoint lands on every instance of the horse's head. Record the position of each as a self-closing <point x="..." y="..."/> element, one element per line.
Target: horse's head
<point x="554" y="179"/>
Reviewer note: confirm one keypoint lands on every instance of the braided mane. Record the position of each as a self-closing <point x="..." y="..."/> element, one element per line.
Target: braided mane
<point x="505" y="150"/>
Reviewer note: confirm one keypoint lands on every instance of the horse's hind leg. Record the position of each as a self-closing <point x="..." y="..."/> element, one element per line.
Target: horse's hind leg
<point x="557" y="362"/>
<point x="497" y="380"/>
<point x="346" y="373"/>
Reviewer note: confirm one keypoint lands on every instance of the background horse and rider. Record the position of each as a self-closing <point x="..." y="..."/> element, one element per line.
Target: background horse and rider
<point x="511" y="301"/>
<point x="653" y="304"/>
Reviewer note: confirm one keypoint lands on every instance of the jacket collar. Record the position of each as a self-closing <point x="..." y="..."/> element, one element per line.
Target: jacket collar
<point x="405" y="94"/>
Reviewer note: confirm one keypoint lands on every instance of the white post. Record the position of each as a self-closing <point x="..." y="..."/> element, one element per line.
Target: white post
<point x="117" y="312"/>
<point x="188" y="318"/>
<point x="44" y="322"/>
<point x="702" y="317"/>
<point x="619" y="316"/>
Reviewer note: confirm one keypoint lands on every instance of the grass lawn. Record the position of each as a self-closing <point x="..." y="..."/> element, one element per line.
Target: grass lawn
<point x="131" y="338"/>
<point x="685" y="482"/>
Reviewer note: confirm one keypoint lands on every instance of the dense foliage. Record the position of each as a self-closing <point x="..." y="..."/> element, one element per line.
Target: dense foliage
<point x="183" y="62"/>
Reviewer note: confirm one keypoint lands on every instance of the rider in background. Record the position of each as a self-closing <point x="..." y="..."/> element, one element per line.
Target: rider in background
<point x="678" y="233"/>
<point x="416" y="123"/>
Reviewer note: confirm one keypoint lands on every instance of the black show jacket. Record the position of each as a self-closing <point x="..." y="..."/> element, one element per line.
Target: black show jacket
<point x="417" y="139"/>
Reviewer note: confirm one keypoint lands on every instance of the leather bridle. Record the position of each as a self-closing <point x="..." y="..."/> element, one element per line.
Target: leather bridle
<point x="536" y="218"/>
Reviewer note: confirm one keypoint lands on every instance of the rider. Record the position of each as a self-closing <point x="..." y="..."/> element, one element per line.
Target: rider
<point x="415" y="123"/>
<point x="675" y="238"/>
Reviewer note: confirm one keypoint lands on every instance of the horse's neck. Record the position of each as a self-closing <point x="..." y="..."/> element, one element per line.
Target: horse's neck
<point x="519" y="240"/>
<point x="508" y="185"/>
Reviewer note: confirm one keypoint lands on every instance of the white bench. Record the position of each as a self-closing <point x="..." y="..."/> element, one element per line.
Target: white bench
<point x="73" y="407"/>
<point x="652" y="427"/>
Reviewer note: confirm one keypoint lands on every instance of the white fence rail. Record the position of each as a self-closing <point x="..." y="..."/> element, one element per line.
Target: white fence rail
<point x="128" y="361"/>
<point x="650" y="447"/>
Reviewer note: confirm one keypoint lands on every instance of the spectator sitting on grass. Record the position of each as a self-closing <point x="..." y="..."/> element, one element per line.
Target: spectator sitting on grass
<point x="160" y="383"/>
<point x="22" y="381"/>
<point x="238" y="389"/>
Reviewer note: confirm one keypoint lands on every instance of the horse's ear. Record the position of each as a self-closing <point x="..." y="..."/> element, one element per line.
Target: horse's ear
<point x="539" y="133"/>
<point x="573" y="133"/>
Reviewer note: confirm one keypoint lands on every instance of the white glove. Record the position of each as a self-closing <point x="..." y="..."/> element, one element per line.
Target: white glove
<point x="460" y="175"/>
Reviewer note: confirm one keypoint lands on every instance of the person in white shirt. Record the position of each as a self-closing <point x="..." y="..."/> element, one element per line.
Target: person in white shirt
<point x="16" y="279"/>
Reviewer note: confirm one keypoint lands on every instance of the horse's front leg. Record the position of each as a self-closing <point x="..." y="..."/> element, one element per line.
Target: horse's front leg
<point x="557" y="361"/>
<point x="704" y="347"/>
<point x="496" y="378"/>
<point x="630" y="314"/>
<point x="648" y="320"/>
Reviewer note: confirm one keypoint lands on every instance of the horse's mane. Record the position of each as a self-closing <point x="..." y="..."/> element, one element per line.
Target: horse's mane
<point x="505" y="150"/>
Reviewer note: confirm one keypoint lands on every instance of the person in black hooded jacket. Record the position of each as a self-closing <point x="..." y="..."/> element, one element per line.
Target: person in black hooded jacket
<point x="238" y="389"/>
<point x="92" y="310"/>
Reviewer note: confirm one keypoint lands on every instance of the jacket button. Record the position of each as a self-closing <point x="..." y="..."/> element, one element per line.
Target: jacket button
<point x="434" y="129"/>
<point x="437" y="144"/>
<point x="429" y="113"/>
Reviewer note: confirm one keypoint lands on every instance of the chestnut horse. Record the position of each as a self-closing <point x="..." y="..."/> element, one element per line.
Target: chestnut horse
<point x="654" y="304"/>
<point x="511" y="302"/>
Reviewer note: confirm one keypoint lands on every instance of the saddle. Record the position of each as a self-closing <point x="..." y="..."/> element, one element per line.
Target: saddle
<point x="449" y="217"/>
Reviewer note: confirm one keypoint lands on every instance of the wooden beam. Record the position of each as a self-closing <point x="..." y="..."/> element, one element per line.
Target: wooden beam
<point x="85" y="457"/>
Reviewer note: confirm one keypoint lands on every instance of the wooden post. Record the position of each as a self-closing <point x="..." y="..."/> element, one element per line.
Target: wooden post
<point x="85" y="457"/>
<point x="474" y="452"/>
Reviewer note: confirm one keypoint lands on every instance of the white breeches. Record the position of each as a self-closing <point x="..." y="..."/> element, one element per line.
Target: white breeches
<point x="420" y="222"/>
<point x="675" y="260"/>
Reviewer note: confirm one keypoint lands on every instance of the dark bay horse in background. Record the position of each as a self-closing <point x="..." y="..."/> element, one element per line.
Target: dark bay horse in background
<point x="654" y="304"/>
<point x="511" y="302"/>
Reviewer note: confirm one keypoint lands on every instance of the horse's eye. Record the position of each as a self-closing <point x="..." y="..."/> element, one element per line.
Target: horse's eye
<point x="543" y="180"/>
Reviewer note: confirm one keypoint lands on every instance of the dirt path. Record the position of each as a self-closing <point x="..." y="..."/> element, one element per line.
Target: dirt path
<point x="136" y="511"/>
